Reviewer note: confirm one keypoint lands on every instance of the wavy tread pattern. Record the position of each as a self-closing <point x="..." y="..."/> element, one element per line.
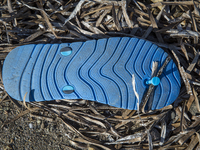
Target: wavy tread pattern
<point x="99" y="70"/>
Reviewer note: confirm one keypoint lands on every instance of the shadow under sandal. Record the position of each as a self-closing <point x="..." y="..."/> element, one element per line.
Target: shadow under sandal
<point x="97" y="70"/>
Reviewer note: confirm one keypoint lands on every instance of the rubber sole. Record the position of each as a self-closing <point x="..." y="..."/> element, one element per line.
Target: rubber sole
<point x="97" y="70"/>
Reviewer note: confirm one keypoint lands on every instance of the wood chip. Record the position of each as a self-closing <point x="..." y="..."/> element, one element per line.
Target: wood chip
<point x="102" y="16"/>
<point x="75" y="11"/>
<point x="115" y="19"/>
<point x="125" y="14"/>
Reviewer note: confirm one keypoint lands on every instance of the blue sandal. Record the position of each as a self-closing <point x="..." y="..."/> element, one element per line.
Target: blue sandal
<point x="96" y="70"/>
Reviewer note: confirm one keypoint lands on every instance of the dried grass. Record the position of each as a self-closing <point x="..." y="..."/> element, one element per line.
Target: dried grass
<point x="89" y="125"/>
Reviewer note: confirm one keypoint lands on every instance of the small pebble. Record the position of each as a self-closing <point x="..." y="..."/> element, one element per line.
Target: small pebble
<point x="30" y="125"/>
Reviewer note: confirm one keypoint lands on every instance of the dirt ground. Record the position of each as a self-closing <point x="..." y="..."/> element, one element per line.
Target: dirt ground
<point x="81" y="124"/>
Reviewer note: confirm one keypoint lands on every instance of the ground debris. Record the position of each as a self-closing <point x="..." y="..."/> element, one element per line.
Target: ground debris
<point x="81" y="124"/>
